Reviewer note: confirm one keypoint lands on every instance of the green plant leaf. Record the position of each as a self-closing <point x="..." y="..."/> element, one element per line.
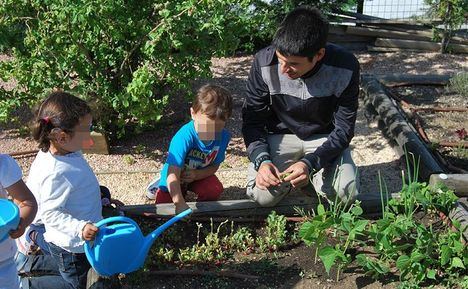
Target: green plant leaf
<point x="328" y="256"/>
<point x="457" y="262"/>
<point x="446" y="254"/>
<point x="360" y="225"/>
<point x="357" y="211"/>
<point x="431" y="274"/>
<point x="320" y="210"/>
<point x="402" y="262"/>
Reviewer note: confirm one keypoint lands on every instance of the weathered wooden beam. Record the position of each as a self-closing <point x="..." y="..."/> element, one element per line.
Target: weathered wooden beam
<point x="393" y="80"/>
<point x="422" y="45"/>
<point x="228" y="207"/>
<point x="246" y="208"/>
<point x="373" y="32"/>
<point x="456" y="182"/>
<point x="396" y="22"/>
<point x="349" y="38"/>
<point x="399" y="128"/>
<point x="389" y="49"/>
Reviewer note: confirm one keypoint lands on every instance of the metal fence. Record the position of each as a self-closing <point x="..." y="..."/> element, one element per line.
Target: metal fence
<point x="395" y="9"/>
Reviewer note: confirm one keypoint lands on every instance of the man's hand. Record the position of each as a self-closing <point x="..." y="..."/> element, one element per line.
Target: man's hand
<point x="89" y="232"/>
<point x="297" y="174"/>
<point x="267" y="176"/>
<point x="187" y="176"/>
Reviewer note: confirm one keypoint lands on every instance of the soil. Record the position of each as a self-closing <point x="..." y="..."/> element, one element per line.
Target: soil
<point x="439" y="126"/>
<point x="292" y="266"/>
<point x="134" y="161"/>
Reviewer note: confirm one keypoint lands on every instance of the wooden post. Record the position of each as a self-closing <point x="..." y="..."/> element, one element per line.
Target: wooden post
<point x="360" y="6"/>
<point x="456" y="182"/>
<point x="100" y="146"/>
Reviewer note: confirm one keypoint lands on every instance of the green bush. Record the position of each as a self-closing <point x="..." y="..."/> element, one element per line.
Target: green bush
<point x="123" y="56"/>
<point x="452" y="14"/>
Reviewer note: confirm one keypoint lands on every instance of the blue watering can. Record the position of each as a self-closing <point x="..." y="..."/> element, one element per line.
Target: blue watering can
<point x="121" y="247"/>
<point x="9" y="218"/>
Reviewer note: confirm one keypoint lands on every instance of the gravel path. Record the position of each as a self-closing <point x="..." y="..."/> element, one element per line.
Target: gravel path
<point x="138" y="159"/>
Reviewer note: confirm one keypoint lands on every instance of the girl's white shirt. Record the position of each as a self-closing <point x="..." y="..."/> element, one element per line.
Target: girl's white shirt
<point x="68" y="196"/>
<point x="10" y="173"/>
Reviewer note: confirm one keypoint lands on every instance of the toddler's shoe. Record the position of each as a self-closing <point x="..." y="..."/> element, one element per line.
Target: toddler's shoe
<point x="151" y="189"/>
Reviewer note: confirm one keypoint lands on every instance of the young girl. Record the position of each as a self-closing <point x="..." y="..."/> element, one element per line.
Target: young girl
<point x="64" y="183"/>
<point x="11" y="184"/>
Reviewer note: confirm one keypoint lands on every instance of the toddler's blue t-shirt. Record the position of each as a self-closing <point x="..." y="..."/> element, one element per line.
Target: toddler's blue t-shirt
<point x="188" y="151"/>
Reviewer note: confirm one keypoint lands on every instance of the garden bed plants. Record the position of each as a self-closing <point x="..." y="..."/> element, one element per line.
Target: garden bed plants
<point x="412" y="245"/>
<point x="413" y="241"/>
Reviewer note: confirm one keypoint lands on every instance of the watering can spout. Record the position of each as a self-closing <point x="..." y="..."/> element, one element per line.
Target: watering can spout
<point x="167" y="224"/>
<point x="149" y="240"/>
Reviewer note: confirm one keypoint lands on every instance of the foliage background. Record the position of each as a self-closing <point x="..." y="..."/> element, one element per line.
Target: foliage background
<point x="126" y="57"/>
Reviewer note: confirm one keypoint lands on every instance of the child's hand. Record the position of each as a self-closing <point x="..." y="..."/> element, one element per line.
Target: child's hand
<point x="180" y="207"/>
<point x="89" y="232"/>
<point x="15" y="234"/>
<point x="188" y="176"/>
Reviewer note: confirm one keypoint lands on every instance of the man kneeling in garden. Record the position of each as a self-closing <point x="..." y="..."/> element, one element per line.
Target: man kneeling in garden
<point x="300" y="111"/>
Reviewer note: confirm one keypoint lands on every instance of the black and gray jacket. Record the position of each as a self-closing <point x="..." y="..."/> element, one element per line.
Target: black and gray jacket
<point x="324" y="101"/>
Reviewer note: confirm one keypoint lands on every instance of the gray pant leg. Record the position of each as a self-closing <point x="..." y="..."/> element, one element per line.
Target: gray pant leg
<point x="284" y="151"/>
<point x="338" y="179"/>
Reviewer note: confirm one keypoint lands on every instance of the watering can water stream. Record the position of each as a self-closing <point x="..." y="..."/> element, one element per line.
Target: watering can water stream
<point x="120" y="247"/>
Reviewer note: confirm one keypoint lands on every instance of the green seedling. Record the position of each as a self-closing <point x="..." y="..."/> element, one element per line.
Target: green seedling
<point x="283" y="176"/>
<point x="129" y="160"/>
<point x="275" y="233"/>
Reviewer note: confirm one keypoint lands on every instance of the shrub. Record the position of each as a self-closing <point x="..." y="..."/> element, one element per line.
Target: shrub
<point x="123" y="56"/>
<point x="452" y="15"/>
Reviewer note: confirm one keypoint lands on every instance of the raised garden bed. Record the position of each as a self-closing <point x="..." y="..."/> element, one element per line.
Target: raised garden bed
<point x="421" y="115"/>
<point x="342" y="249"/>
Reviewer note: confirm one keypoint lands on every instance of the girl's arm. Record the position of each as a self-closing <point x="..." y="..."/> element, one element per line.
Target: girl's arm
<point x="173" y="184"/>
<point x="189" y="176"/>
<point x="26" y="202"/>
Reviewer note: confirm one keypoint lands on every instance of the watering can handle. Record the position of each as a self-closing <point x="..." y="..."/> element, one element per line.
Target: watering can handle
<point x="115" y="220"/>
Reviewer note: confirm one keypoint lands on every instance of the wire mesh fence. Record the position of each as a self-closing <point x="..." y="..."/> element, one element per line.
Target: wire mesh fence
<point x="398" y="10"/>
<point x="395" y="9"/>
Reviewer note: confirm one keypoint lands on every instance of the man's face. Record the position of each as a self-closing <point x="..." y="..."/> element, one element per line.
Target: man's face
<point x="296" y="66"/>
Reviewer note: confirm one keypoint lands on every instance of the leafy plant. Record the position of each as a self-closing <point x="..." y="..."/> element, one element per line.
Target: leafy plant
<point x="125" y="57"/>
<point x="275" y="233"/>
<point x="452" y="15"/>
<point x="338" y="221"/>
<point x="415" y="249"/>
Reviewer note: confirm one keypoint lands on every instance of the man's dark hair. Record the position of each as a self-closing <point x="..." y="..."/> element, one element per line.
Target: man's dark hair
<point x="302" y="33"/>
